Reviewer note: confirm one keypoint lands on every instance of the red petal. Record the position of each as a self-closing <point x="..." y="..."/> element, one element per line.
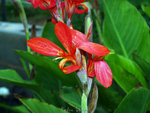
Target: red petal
<point x="77" y="1"/>
<point x="36" y="3"/>
<point x="47" y="4"/>
<point x="78" y="37"/>
<point x="64" y="35"/>
<point x="81" y="11"/>
<point x="45" y="47"/>
<point x="103" y="73"/>
<point x="54" y="21"/>
<point x="93" y="48"/>
<point x="70" y="69"/>
<point x="90" y="66"/>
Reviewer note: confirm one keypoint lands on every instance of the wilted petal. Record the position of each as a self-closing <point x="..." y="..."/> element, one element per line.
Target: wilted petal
<point x="81" y="11"/>
<point x="45" y="47"/>
<point x="64" y="35"/>
<point x="93" y="48"/>
<point x="103" y="73"/>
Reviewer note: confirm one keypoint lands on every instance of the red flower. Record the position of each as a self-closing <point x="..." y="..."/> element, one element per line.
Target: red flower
<point x="71" y="40"/>
<point x="46" y="47"/>
<point x="99" y="68"/>
<point x="43" y="4"/>
<point x="96" y="66"/>
<point x="72" y="6"/>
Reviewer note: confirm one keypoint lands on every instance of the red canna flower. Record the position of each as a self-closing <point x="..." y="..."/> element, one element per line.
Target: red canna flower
<point x="43" y="4"/>
<point x="96" y="66"/>
<point x="46" y="47"/>
<point x="71" y="40"/>
<point x="72" y="7"/>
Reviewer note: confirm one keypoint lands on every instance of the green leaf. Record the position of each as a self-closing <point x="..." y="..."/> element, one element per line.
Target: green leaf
<point x="35" y="106"/>
<point x="145" y="66"/>
<point x="71" y="96"/>
<point x="51" y="67"/>
<point x="139" y="2"/>
<point x="146" y="9"/>
<point x="124" y="28"/>
<point x="109" y="98"/>
<point x="10" y="76"/>
<point x="131" y="67"/>
<point x="16" y="109"/>
<point x="135" y="101"/>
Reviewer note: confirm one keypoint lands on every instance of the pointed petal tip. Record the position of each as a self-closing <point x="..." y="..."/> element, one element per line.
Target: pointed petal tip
<point x="45" y="47"/>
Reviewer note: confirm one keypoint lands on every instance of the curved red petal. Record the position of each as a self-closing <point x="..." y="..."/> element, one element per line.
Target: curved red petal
<point x="70" y="69"/>
<point x="103" y="73"/>
<point x="81" y="11"/>
<point x="78" y="37"/>
<point x="45" y="47"/>
<point x="93" y="48"/>
<point x="64" y="35"/>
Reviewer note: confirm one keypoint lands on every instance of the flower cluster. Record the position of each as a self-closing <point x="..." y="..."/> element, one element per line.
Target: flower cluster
<point x="58" y="10"/>
<point x="73" y="40"/>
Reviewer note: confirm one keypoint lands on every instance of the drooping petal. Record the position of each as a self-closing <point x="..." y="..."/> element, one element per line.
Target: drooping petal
<point x="45" y="47"/>
<point x="93" y="48"/>
<point x="64" y="35"/>
<point x="81" y="11"/>
<point x="70" y="69"/>
<point x="103" y="73"/>
<point x="78" y="37"/>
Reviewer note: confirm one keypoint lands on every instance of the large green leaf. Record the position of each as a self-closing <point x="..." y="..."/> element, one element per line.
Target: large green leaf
<point x="124" y="28"/>
<point x="35" y="106"/>
<point x="10" y="76"/>
<point x="16" y="109"/>
<point x="109" y="98"/>
<point x="135" y="101"/>
<point x="139" y="2"/>
<point x="51" y="67"/>
<point x="145" y="66"/>
<point x="71" y="96"/>
<point x="131" y="67"/>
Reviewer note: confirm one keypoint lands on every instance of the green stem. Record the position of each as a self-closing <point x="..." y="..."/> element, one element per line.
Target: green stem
<point x="24" y="21"/>
<point x="84" y="103"/>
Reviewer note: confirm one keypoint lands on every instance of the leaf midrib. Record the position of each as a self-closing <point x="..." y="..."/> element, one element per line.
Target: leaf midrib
<point x="115" y="29"/>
